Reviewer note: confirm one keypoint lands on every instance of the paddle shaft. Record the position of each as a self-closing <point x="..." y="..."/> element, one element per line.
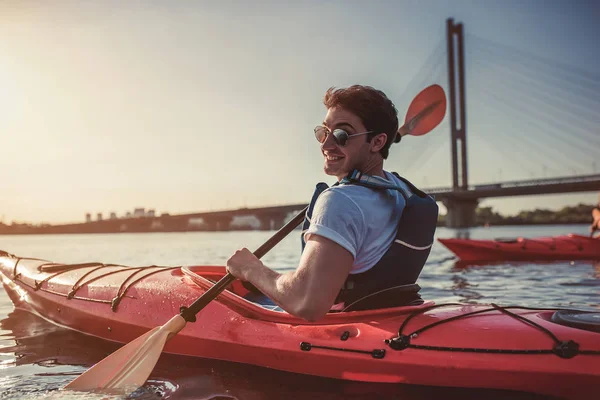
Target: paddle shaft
<point x="189" y="312"/>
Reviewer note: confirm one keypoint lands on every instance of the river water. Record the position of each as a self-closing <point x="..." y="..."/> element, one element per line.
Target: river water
<point x="38" y="358"/>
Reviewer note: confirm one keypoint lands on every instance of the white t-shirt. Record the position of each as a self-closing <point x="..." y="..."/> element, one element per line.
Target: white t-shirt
<point x="361" y="220"/>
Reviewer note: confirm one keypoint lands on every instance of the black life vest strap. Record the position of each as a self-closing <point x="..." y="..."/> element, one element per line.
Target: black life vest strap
<point x="396" y="296"/>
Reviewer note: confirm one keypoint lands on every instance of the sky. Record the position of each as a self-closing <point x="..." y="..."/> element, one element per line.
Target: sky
<point x="193" y="106"/>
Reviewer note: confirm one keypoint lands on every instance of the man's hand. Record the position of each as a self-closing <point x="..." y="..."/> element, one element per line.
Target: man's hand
<point x="241" y="263"/>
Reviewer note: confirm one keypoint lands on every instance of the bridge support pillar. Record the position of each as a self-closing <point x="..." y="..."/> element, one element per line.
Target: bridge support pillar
<point x="461" y="213"/>
<point x="271" y="222"/>
<point x="218" y="223"/>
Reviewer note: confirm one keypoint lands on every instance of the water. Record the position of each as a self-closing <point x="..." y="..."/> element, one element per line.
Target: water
<point x="38" y="358"/>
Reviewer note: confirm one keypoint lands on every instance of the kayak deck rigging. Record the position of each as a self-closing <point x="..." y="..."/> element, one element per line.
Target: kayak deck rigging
<point x="60" y="269"/>
<point x="562" y="348"/>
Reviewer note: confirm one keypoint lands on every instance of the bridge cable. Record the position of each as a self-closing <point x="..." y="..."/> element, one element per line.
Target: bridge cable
<point x="527" y="154"/>
<point x="435" y="58"/>
<point x="539" y="63"/>
<point x="518" y="108"/>
<point x="417" y="147"/>
<point x="575" y="88"/>
<point x="425" y="156"/>
<point x="539" y="145"/>
<point x="526" y="120"/>
<point x="591" y="124"/>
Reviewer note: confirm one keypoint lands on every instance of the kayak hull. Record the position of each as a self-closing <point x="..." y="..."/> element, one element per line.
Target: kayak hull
<point x="119" y="304"/>
<point x="567" y="247"/>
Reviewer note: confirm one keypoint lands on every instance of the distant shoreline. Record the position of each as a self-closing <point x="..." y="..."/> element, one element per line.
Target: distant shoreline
<point x="271" y="218"/>
<point x="56" y="230"/>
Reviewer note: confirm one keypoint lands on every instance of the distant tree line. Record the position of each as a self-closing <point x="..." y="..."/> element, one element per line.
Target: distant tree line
<point x="579" y="214"/>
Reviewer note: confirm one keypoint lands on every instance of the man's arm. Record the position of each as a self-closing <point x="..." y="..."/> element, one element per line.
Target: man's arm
<point x="596" y="224"/>
<point x="310" y="290"/>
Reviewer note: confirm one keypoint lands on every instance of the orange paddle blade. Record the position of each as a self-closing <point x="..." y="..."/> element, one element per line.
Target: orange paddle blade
<point x="128" y="368"/>
<point x="426" y="111"/>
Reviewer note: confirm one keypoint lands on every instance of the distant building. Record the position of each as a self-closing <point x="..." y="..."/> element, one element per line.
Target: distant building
<point x="245" y="222"/>
<point x="88" y="217"/>
<point x="128" y="215"/>
<point x="156" y="225"/>
<point x="99" y="216"/>
<point x="197" y="223"/>
<point x="113" y="215"/>
<point x="150" y="214"/>
<point x="139" y="213"/>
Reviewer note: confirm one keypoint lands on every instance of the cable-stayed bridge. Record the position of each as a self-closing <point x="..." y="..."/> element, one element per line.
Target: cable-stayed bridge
<point x="529" y="117"/>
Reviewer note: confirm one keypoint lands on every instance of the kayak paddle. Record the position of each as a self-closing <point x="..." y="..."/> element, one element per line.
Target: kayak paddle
<point x="129" y="367"/>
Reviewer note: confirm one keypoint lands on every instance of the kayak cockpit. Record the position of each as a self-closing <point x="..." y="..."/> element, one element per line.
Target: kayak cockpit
<point x="236" y="297"/>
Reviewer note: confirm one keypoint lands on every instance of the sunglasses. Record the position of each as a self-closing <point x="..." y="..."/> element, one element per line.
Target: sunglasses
<point x="340" y="136"/>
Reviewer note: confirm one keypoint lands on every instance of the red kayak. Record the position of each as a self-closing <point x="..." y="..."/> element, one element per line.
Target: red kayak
<point x="568" y="247"/>
<point x="454" y="345"/>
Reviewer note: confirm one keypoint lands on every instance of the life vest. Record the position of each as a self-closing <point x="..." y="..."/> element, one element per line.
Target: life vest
<point x="402" y="263"/>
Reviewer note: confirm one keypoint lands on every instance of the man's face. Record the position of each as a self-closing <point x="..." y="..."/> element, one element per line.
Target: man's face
<point x="339" y="161"/>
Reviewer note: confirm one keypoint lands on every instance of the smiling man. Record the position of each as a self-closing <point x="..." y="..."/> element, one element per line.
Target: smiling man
<point x="365" y="238"/>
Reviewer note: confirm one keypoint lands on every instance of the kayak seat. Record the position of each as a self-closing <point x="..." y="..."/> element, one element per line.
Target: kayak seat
<point x="263" y="301"/>
<point x="587" y="320"/>
<point x="397" y="296"/>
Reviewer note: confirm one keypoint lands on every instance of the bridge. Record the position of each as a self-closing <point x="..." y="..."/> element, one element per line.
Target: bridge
<point x="463" y="203"/>
<point x="274" y="217"/>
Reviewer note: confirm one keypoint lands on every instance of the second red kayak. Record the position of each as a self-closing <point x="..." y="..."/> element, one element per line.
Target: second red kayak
<point x="567" y="247"/>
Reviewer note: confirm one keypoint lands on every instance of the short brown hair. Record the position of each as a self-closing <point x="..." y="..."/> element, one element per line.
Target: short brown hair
<point x="372" y="106"/>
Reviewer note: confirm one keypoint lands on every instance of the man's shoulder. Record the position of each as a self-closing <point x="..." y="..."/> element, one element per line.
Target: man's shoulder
<point x="344" y="195"/>
<point x="395" y="177"/>
<point x="338" y="203"/>
<point x="350" y="192"/>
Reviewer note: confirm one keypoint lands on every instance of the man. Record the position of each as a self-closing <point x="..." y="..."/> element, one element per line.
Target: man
<point x="596" y="216"/>
<point x="348" y="244"/>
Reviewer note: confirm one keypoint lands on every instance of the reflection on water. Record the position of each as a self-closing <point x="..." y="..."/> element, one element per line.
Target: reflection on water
<point x="38" y="358"/>
<point x="462" y="234"/>
<point x="464" y="289"/>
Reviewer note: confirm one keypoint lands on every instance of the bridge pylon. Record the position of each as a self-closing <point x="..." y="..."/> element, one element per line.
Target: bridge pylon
<point x="461" y="212"/>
